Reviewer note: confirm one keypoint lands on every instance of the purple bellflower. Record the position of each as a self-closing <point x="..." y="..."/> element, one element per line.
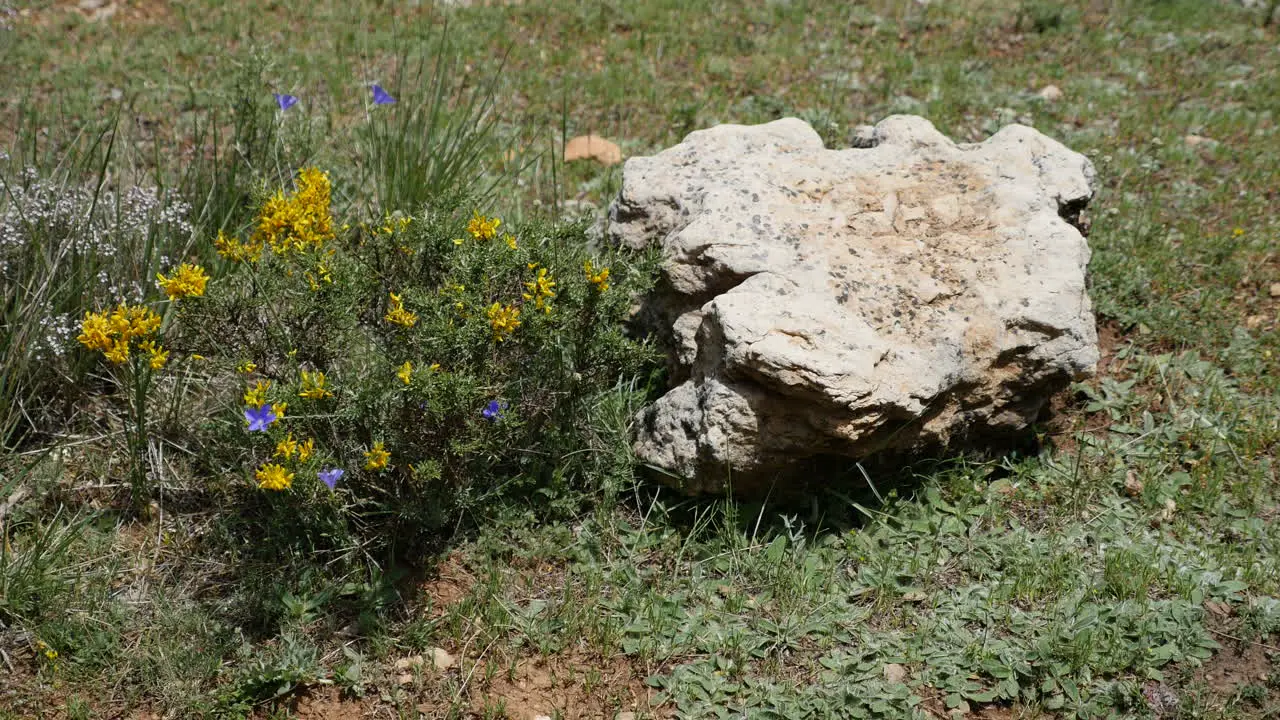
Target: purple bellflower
<point x="259" y="419"/>
<point x="381" y="97"/>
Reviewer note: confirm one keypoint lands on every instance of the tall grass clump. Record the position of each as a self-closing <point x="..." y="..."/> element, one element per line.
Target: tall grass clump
<point x="430" y="134"/>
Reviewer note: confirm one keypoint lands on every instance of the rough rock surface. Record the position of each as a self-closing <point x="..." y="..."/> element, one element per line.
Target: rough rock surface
<point x="915" y="294"/>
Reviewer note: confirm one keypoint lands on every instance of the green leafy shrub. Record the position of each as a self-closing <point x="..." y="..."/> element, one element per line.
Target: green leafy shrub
<point x="395" y="373"/>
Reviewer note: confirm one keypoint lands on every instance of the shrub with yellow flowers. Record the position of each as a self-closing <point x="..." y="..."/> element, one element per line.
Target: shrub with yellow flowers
<point x="393" y="372"/>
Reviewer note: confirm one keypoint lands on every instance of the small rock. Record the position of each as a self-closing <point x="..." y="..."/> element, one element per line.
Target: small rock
<point x="406" y="663"/>
<point x="894" y="674"/>
<point x="1198" y="140"/>
<point x="541" y="717"/>
<point x="1004" y="487"/>
<point x="404" y="679"/>
<point x="593" y="147"/>
<point x="863" y="136"/>
<point x="914" y="596"/>
<point x="97" y="10"/>
<point x="1132" y="485"/>
<point x="1220" y="609"/>
<point x="625" y="716"/>
<point x="1166" y="513"/>
<point x="1274" y="289"/>
<point x="1050" y="93"/>
<point x="441" y="659"/>
<point x="1160" y="699"/>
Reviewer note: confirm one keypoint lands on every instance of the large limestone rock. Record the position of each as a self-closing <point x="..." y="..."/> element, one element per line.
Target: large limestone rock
<point x="912" y="295"/>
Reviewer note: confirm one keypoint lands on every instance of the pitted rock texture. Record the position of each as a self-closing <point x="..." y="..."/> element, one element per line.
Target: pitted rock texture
<point x="912" y="295"/>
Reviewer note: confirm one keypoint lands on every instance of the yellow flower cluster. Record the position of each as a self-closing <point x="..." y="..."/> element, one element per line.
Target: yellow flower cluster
<point x="313" y="386"/>
<point x="159" y="356"/>
<point x="256" y="396"/>
<point x="235" y="251"/>
<point x="187" y="281"/>
<point x="288" y="447"/>
<point x="49" y="653"/>
<point x="298" y="221"/>
<point x="503" y="319"/>
<point x="398" y="315"/>
<point x="246" y="367"/>
<point x="391" y="225"/>
<point x="376" y="458"/>
<point x="405" y="372"/>
<point x="541" y="290"/>
<point x="483" y="228"/>
<point x="110" y="333"/>
<point x="321" y="274"/>
<point x="599" y="278"/>
<point x="273" y="476"/>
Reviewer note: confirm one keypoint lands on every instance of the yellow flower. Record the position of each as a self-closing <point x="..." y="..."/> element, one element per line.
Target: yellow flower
<point x="110" y="333"/>
<point x="398" y="315"/>
<point x="279" y="408"/>
<point x="246" y="367"/>
<point x="435" y="367"/>
<point x="1238" y="232"/>
<point x="503" y="319"/>
<point x="540" y="290"/>
<point x="286" y="447"/>
<point x="141" y="320"/>
<point x="298" y="221"/>
<point x="376" y="458"/>
<point x="313" y="386"/>
<point x="510" y="240"/>
<point x="159" y="356"/>
<point x="95" y="331"/>
<point x="49" y="652"/>
<point x="320" y="275"/>
<point x="481" y="227"/>
<point x="119" y="352"/>
<point x="306" y="450"/>
<point x="598" y="278"/>
<point x="236" y="251"/>
<point x="187" y="281"/>
<point x="274" y="477"/>
<point x="405" y="371"/>
<point x="257" y="396"/>
<point x="195" y="356"/>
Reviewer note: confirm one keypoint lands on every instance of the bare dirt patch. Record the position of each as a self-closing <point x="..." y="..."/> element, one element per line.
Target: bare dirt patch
<point x="116" y="12"/>
<point x="452" y="584"/>
<point x="326" y="703"/>
<point x="573" y="686"/>
<point x="1237" y="665"/>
